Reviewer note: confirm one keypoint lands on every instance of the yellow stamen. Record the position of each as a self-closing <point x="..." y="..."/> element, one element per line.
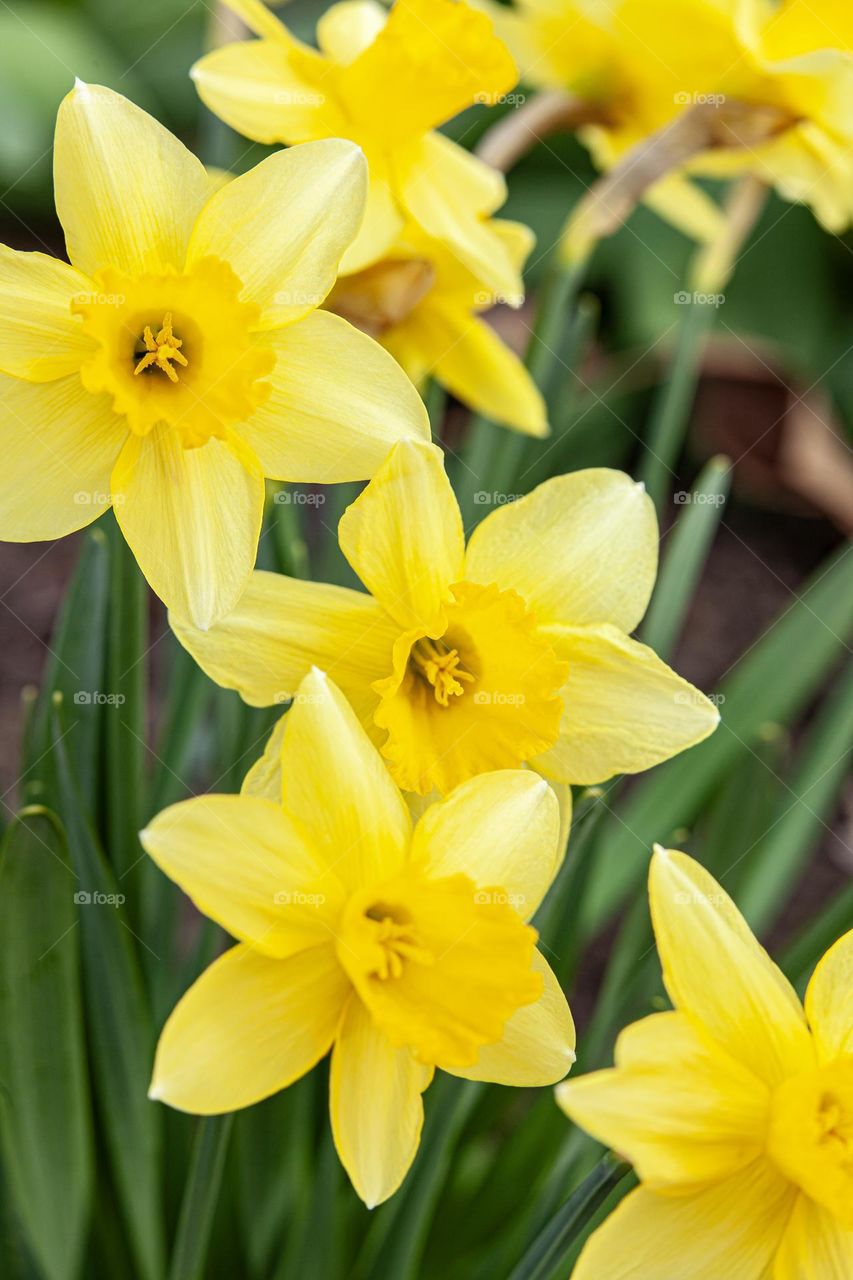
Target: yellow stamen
<point x="395" y="943"/>
<point x="440" y="667"/>
<point x="162" y="350"/>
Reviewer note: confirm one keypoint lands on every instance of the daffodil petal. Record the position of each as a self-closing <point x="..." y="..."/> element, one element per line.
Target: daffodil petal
<point x="382" y="226"/>
<point x="264" y="778"/>
<point x="624" y="709"/>
<point x="450" y="194"/>
<point x="281" y="627"/>
<point x="376" y="1106"/>
<point x="430" y="60"/>
<point x="731" y="1228"/>
<point x="685" y="205"/>
<point x="268" y="92"/>
<point x="829" y="1001"/>
<point x="258" y="17"/>
<point x="59" y="445"/>
<point x="538" y="1043"/>
<point x="285" y="224"/>
<point x="502" y="830"/>
<point x="247" y="865"/>
<point x="192" y="518"/>
<point x="336" y="783"/>
<point x="403" y="536"/>
<point x="815" y="1246"/>
<point x="470" y="360"/>
<point x="581" y="549"/>
<point x="338" y="404"/>
<point x="127" y="191"/>
<point x="718" y="974"/>
<point x="40" y="339"/>
<point x="248" y="1027"/>
<point x="677" y="1106"/>
<point x="350" y="27"/>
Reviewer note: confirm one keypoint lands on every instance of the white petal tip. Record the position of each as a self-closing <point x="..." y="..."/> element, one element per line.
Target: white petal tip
<point x="659" y="851"/>
<point x="641" y="486"/>
<point x="155" y="1093"/>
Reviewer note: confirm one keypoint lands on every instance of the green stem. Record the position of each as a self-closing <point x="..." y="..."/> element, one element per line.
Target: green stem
<point x="200" y="1198"/>
<point x="671" y="411"/>
<point x="686" y="553"/>
<point x="554" y="1242"/>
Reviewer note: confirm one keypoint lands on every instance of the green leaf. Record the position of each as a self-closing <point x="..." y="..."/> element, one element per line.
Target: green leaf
<point x="76" y="671"/>
<point x="555" y="1242"/>
<point x="45" y="1121"/>
<point x="804" y="807"/>
<point x="773" y="682"/>
<point x="687" y="550"/>
<point x="121" y="1031"/>
<point x="200" y="1198"/>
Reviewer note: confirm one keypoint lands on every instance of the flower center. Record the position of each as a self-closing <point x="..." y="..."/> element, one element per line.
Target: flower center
<point x="439" y="965"/>
<point x="159" y="352"/>
<point x="439" y="665"/>
<point x="811" y="1135"/>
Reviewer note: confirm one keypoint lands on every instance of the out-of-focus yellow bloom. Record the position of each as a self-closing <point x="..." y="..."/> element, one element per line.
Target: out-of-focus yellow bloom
<point x="736" y="1109"/>
<point x="386" y="81"/>
<point x="645" y="62"/>
<point x="514" y="651"/>
<point x="422" y="304"/>
<point x="401" y="949"/>
<point x="182" y="358"/>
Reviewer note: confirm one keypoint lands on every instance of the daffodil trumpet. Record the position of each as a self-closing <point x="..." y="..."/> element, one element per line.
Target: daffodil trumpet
<point x="402" y="947"/>
<point x="736" y="1108"/>
<point x="387" y="81"/>
<point x="512" y="651"/>
<point x="182" y="356"/>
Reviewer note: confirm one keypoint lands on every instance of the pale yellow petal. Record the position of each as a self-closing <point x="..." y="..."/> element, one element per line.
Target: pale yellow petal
<point x="501" y="830"/>
<point x="430" y="60"/>
<point x="382" y="226"/>
<point x="264" y="778"/>
<point x="718" y="974"/>
<point x="58" y="445"/>
<point x="127" y="191"/>
<point x="538" y="1043"/>
<point x="284" y="225"/>
<point x="679" y="1108"/>
<point x="248" y="1027"/>
<point x="686" y="206"/>
<point x="731" y="1229"/>
<point x="376" y="1106"/>
<point x="338" y="404"/>
<point x="269" y="92"/>
<point x="450" y="194"/>
<point x="581" y="549"/>
<point x="258" y="17"/>
<point x="247" y="865"/>
<point x="335" y="782"/>
<point x="192" y="518"/>
<point x="281" y="627"/>
<point x="40" y="339"/>
<point x="350" y="27"/>
<point x="624" y="709"/>
<point x="468" y="358"/>
<point x="815" y="1247"/>
<point x="829" y="1001"/>
<point x="403" y="536"/>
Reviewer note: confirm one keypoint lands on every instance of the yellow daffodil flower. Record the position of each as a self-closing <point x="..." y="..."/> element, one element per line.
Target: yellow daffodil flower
<point x="513" y="651"/>
<point x="181" y="357"/>
<point x="643" y="63"/>
<point x="400" y="948"/>
<point x="386" y="81"/>
<point x="736" y="1109"/>
<point x="422" y="304"/>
